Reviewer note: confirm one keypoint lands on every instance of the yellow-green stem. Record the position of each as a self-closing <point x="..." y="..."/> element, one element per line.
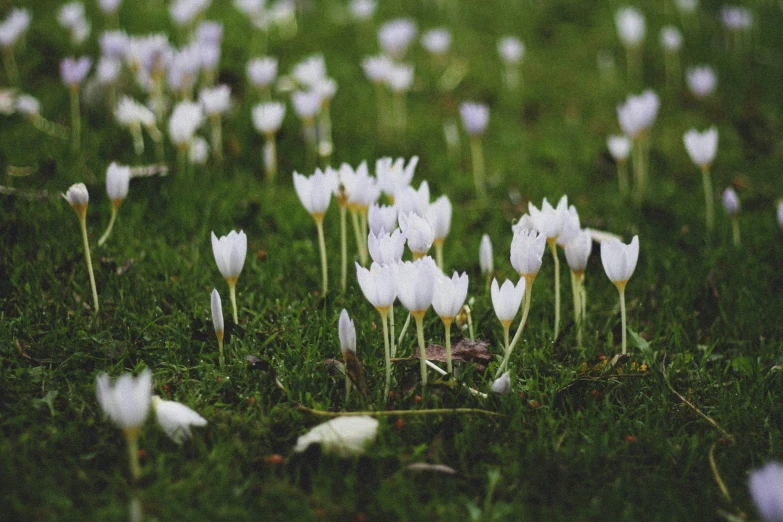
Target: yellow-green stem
<point x="387" y="352"/>
<point x="319" y="223"/>
<point x="419" y="316"/>
<point x="357" y="232"/>
<point x="391" y="335"/>
<point x="11" y="70"/>
<point x="270" y="158"/>
<point x="88" y="258"/>
<point x="132" y="439"/>
<point x="221" y="354"/>
<point x="232" y="293"/>
<point x="343" y="248"/>
<point x="622" y="313"/>
<point x="477" y="156"/>
<point x="76" y="122"/>
<point x="622" y="177"/>
<point x="404" y="330"/>
<point x="637" y="157"/>
<point x="439" y="253"/>
<point x="735" y="231"/>
<point x="106" y="234"/>
<point x="520" y="328"/>
<point x="310" y="143"/>
<point x="553" y="249"/>
<point x="447" y="325"/>
<point x="217" y="138"/>
<point x="709" y="202"/>
<point x="138" y="139"/>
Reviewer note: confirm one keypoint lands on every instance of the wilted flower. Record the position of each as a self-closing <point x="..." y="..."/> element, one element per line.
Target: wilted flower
<point x="176" y="419"/>
<point x="342" y="436"/>
<point x="502" y="384"/>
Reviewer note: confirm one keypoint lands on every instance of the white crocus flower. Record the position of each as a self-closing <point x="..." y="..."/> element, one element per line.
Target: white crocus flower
<point x="176" y="419"/>
<point x="342" y="436"/>
<point x="230" y="252"/>
<point x="619" y="262"/>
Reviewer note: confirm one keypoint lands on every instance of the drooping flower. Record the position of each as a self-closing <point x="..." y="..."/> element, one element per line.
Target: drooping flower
<point x="342" y="436"/>
<point x="502" y="384"/>
<point x="176" y="419"/>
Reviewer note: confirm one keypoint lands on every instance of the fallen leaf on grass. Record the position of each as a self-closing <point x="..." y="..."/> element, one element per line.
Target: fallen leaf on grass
<point x="464" y="351"/>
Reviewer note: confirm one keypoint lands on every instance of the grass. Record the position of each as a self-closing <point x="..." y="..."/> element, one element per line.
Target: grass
<point x="573" y="444"/>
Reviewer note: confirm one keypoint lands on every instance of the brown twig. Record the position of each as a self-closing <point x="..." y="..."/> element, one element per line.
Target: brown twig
<point x="398" y="413"/>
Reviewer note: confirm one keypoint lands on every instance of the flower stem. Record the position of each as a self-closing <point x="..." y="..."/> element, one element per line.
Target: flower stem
<point x="221" y="354"/>
<point x="310" y="143"/>
<point x="735" y="231"/>
<point x="343" y="249"/>
<point x="76" y="122"/>
<point x="439" y="253"/>
<point x="357" y="232"/>
<point x="270" y="158"/>
<point x="387" y="352"/>
<point x="525" y="311"/>
<point x="708" y="198"/>
<point x="88" y="258"/>
<point x="622" y="177"/>
<point x="419" y="316"/>
<point x="217" y="138"/>
<point x="477" y="156"/>
<point x="553" y="249"/>
<point x="404" y="330"/>
<point x="106" y="234"/>
<point x="621" y="289"/>
<point x="325" y="145"/>
<point x="132" y="439"/>
<point x="391" y="335"/>
<point x="447" y="325"/>
<point x="637" y="156"/>
<point x="9" y="62"/>
<point x="319" y="223"/>
<point x="138" y="139"/>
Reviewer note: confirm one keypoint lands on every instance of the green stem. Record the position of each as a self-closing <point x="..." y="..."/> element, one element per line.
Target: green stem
<point x="357" y="232"/>
<point x="477" y="156"/>
<point x="76" y="124"/>
<point x="106" y="234"/>
<point x="622" y="313"/>
<point x="222" y="357"/>
<point x="439" y="253"/>
<point x="404" y="330"/>
<point x="518" y="334"/>
<point x="88" y="258"/>
<point x="422" y="351"/>
<point x="138" y="139"/>
<point x="735" y="231"/>
<point x="347" y="387"/>
<point x="325" y="145"/>
<point x="447" y="326"/>
<point x="343" y="248"/>
<point x="310" y="143"/>
<point x="270" y="158"/>
<point x="9" y="62"/>
<point x="387" y="352"/>
<point x="553" y="249"/>
<point x="637" y="157"/>
<point x="391" y="335"/>
<point x="132" y="439"/>
<point x="232" y="292"/>
<point x="319" y="223"/>
<point x="217" y="138"/>
<point x="622" y="177"/>
<point x="708" y="198"/>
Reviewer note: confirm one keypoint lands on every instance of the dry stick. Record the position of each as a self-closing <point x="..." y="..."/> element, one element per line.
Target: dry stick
<point x="400" y="413"/>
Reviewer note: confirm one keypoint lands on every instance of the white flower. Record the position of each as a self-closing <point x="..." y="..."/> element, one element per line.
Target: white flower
<point x="449" y="294"/>
<point x="524" y="223"/>
<point x="395" y="36"/>
<point x="77" y="196"/>
<point x="186" y="118"/>
<point x="108" y="70"/>
<point x="127" y="403"/>
<point x="28" y="105"/>
<point x="14" y="26"/>
<point x="210" y="33"/>
<point x="619" y="260"/>
<point x="766" y="488"/>
<point x="310" y="71"/>
<point x="185" y="12"/>
<point x="502" y="384"/>
<point x="577" y="251"/>
<point x="217" y="312"/>
<point x="409" y="200"/>
<point x="360" y="189"/>
<point x="326" y="88"/>
<point x="571" y="226"/>
<point x="262" y="71"/>
<point x="736" y="18"/>
<point x="386" y="248"/>
<point x="377" y="68"/>
<point x="701" y="146"/>
<point x="230" y="252"/>
<point x="395" y="175"/>
<point x="315" y="192"/>
<point x="549" y="221"/>
<point x="419" y="233"/>
<point x="268" y="117"/>
<point x="630" y="26"/>
<point x="780" y="214"/>
<point x="176" y="419"/>
<point x="485" y="255"/>
<point x="74" y="71"/>
<point x="475" y="117"/>
<point x="307" y="104"/>
<point x="362" y="10"/>
<point x="416" y="284"/>
<point x="198" y="152"/>
<point x="216" y="100"/>
<point x="378" y="284"/>
<point x="638" y="113"/>
<point x="400" y="78"/>
<point x="70" y="15"/>
<point x="619" y="147"/>
<point x="130" y="112"/>
<point x="382" y="218"/>
<point x="731" y="202"/>
<point x="109" y="6"/>
<point x="702" y="80"/>
<point x="117" y="182"/>
<point x="511" y="49"/>
<point x="687" y="6"/>
<point x="439" y="217"/>
<point x="671" y="39"/>
<point x="506" y="299"/>
<point x="347" y="333"/>
<point x="436" y="41"/>
<point x="527" y="252"/>
<point x="342" y="436"/>
<point x="114" y="44"/>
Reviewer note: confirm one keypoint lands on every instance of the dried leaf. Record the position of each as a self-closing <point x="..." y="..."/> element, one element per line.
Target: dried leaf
<point x="355" y="371"/>
<point x="464" y="351"/>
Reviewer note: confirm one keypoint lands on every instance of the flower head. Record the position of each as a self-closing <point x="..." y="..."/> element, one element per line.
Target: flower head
<point x="217" y="313"/>
<point x="736" y="18"/>
<point x="198" y="151"/>
<point x="130" y="112"/>
<point x="766" y="488"/>
<point x="310" y="71"/>
<point x="262" y="71"/>
<point x="475" y="117"/>
<point x="117" y="182"/>
<point x="347" y="333"/>
<point x="268" y="117"/>
<point x="176" y="419"/>
<point x="315" y="192"/>
<point x="577" y="250"/>
<point x="378" y="284"/>
<point x="186" y="118"/>
<point x="619" y="260"/>
<point x="780" y="214"/>
<point x="385" y="248"/>
<point x="701" y="146"/>
<point x="731" y="202"/>
<point x="630" y="26"/>
<point x="395" y="36"/>
<point x="127" y="402"/>
<point x="307" y="104"/>
<point x="216" y="100"/>
<point x="687" y="6"/>
<point x="702" y="80"/>
<point x="502" y="384"/>
<point x="343" y="436"/>
<point x="377" y="69"/>
<point x="418" y="232"/>
<point x="230" y="252"/>
<point x="671" y="39"/>
<point x="400" y="78"/>
<point x="408" y="200"/>
<point x="416" y="284"/>
<point x="73" y="71"/>
<point x="638" y="113"/>
<point x="78" y="197"/>
<point x="485" y="255"/>
<point x="511" y="49"/>
<point x="436" y="41"/>
<point x="506" y="299"/>
<point x="619" y="147"/>
<point x="360" y="189"/>
<point x="394" y="175"/>
<point x="549" y="220"/>
<point x="439" y="217"/>
<point x="14" y="26"/>
<point x="449" y="294"/>
<point x="527" y="252"/>
<point x="381" y="218"/>
<point x="28" y="105"/>
<point x="362" y="10"/>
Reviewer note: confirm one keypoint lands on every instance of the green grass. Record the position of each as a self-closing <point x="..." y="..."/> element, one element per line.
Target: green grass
<point x="614" y="448"/>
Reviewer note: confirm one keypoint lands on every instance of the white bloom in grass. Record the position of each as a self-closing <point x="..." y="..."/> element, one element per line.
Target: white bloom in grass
<point x="523" y="223"/>
<point x="347" y="333"/>
<point x="109" y="6"/>
<point x="310" y="71"/>
<point x="571" y="226"/>
<point x="702" y="80"/>
<point x="549" y="220"/>
<point x="400" y="78"/>
<point x="108" y="70"/>
<point x="418" y="232"/>
<point x="7" y="101"/>
<point x="114" y="44"/>
<point x="176" y="419"/>
<point x="70" y="15"/>
<point x="671" y="39"/>
<point x="186" y="118"/>
<point x="780" y="214"/>
<point x="342" y="436"/>
<point x="130" y="112"/>
<point x="502" y="384"/>
<point x="486" y="262"/>
<point x="638" y="113"/>
<point x="326" y="88"/>
<point x="216" y="306"/>
<point x="230" y="252"/>
<point x="14" y="26"/>
<point x="377" y="69"/>
<point x="527" y="252"/>
<point x="378" y="284"/>
<point x="409" y="200"/>
<point x="619" y="260"/>
<point x="216" y="100"/>
<point x="436" y="41"/>
<point x="619" y="147"/>
<point x="362" y="10"/>
<point x="416" y="284"/>
<point x="315" y="192"/>
<point x="382" y="218"/>
<point x="78" y="197"/>
<point x="506" y="300"/>
<point x="127" y="402"/>
<point x="395" y="36"/>
<point x="766" y="489"/>
<point x="307" y="104"/>
<point x="449" y="295"/>
<point x="250" y="8"/>
<point x="631" y="26"/>
<point x="394" y="175"/>
<point x="701" y="146"/>
<point x="198" y="151"/>
<point x="210" y="56"/>
<point x="578" y="249"/>
<point x="73" y="71"/>
<point x="209" y="33"/>
<point x="117" y="183"/>
<point x="687" y="6"/>
<point x="511" y="49"/>
<point x="386" y="248"/>
<point x="736" y="18"/>
<point x="731" y="202"/>
<point x="262" y="71"/>
<point x="28" y="105"/>
<point x="439" y="217"/>
<point x="185" y="12"/>
<point x="360" y="188"/>
<point x="268" y="117"/>
<point x="475" y="117"/>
